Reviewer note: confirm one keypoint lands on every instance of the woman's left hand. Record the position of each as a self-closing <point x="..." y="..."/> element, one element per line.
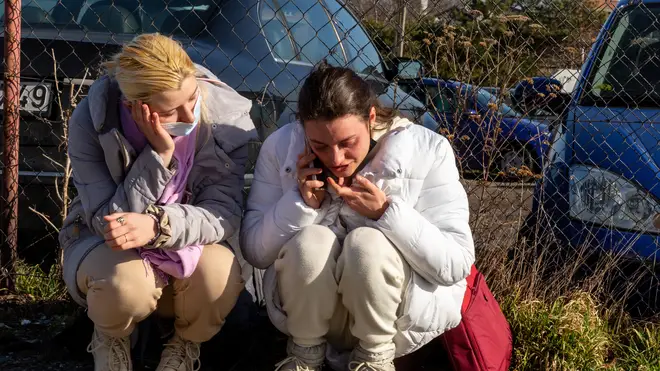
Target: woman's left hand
<point x="362" y="196"/>
<point x="128" y="230"/>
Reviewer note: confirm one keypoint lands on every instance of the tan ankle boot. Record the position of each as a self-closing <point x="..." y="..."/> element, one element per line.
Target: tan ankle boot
<point x="363" y="360"/>
<point x="110" y="354"/>
<point x="179" y="355"/>
<point x="302" y="358"/>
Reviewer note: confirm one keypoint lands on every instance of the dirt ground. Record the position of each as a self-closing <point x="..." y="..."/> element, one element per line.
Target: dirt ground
<point x="497" y="212"/>
<point x="28" y="334"/>
<point x="52" y="336"/>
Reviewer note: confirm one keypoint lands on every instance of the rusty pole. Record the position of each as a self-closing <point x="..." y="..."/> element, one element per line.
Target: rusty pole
<point x="9" y="199"/>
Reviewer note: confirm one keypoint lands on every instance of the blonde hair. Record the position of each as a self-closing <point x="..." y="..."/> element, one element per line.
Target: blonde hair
<point x="150" y="64"/>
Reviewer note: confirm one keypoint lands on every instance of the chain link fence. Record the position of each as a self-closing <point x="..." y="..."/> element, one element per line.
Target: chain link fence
<point x="560" y="163"/>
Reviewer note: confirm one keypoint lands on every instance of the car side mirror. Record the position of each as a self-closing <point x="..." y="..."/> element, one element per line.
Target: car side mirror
<point x="379" y="86"/>
<point x="390" y="73"/>
<point x="404" y="68"/>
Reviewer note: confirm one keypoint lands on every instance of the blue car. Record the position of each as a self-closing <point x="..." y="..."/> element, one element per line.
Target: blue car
<point x="487" y="133"/>
<point x="540" y="98"/>
<point x="601" y="185"/>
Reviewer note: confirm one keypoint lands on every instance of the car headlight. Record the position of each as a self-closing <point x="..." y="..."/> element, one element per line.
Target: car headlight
<point x="602" y="197"/>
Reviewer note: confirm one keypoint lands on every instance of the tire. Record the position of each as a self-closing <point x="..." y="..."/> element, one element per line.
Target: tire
<point x="517" y="162"/>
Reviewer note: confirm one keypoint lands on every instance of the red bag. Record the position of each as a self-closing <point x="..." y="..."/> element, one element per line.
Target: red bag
<point x="482" y="341"/>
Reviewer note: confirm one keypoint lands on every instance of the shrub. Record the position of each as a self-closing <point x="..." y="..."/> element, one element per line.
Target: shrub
<point x="567" y="334"/>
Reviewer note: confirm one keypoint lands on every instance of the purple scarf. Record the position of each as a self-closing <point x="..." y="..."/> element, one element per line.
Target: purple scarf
<point x="176" y="263"/>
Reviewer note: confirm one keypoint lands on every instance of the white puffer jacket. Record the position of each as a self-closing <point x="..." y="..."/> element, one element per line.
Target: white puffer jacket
<point x="427" y="220"/>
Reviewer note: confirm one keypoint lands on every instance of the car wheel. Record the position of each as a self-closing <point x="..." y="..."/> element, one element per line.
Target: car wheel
<point x="517" y="162"/>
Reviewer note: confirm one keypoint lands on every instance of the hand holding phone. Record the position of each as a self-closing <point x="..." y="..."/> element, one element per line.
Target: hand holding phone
<point x="310" y="185"/>
<point x="325" y="173"/>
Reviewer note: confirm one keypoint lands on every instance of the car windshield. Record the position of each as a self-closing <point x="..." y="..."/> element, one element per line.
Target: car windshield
<point x="362" y="53"/>
<point x="626" y="70"/>
<point x="300" y="31"/>
<point x="179" y="17"/>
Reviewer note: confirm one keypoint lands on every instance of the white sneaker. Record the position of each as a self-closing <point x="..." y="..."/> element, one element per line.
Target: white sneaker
<point x="302" y="358"/>
<point x="362" y="360"/>
<point x="110" y="354"/>
<point x="179" y="355"/>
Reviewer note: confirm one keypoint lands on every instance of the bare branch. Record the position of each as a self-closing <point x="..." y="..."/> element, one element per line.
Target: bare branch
<point x="45" y="219"/>
<point x="53" y="161"/>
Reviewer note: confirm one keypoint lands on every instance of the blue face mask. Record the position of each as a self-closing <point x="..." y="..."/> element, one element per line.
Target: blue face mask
<point x="182" y="129"/>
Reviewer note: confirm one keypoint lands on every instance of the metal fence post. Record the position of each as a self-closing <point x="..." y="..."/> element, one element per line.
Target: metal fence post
<point x="401" y="36"/>
<point x="9" y="200"/>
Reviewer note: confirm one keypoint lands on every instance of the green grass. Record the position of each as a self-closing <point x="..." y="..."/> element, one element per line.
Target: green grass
<point x="575" y="334"/>
<point x="639" y="348"/>
<point x="32" y="281"/>
<point x="568" y="334"/>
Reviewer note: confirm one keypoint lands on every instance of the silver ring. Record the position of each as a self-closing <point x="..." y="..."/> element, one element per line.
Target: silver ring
<point x="121" y="220"/>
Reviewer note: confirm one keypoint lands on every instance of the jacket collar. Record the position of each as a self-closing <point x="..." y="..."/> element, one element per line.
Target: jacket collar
<point x="297" y="140"/>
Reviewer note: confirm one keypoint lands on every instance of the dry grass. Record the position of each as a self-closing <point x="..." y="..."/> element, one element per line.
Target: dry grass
<point x="568" y="308"/>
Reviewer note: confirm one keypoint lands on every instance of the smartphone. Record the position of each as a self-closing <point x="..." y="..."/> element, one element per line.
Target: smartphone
<point x="325" y="173"/>
<point x="317" y="164"/>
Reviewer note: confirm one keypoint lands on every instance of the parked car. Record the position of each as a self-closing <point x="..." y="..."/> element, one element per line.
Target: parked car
<point x="474" y="116"/>
<point x="261" y="49"/>
<point x="540" y="97"/>
<point x="268" y="59"/>
<point x="600" y="186"/>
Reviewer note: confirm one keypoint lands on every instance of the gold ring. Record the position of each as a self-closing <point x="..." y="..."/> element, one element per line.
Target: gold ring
<point x="121" y="220"/>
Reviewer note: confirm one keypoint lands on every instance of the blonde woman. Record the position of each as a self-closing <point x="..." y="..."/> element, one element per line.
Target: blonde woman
<point x="158" y="151"/>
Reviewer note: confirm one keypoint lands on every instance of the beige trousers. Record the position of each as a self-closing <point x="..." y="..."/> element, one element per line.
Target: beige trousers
<point x="121" y="290"/>
<point x="342" y="294"/>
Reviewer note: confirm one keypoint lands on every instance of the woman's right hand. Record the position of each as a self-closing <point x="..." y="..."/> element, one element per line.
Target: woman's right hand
<point x="309" y="188"/>
<point x="149" y="124"/>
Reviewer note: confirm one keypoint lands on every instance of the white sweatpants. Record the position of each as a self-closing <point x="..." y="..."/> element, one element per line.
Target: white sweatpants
<point x="341" y="293"/>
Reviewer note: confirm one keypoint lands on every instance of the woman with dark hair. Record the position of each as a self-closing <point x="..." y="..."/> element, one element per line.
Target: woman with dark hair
<point x="362" y="223"/>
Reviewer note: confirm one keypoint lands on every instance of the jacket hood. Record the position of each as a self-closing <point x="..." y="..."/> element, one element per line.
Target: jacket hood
<point x="220" y="100"/>
<point x="397" y="122"/>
